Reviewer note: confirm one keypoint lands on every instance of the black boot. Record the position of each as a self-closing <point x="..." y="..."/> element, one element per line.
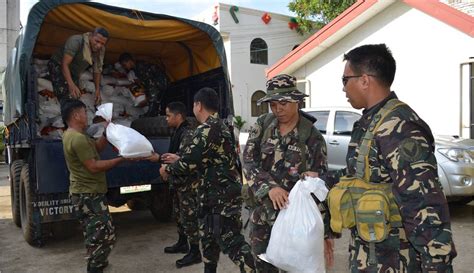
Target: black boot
<point x="193" y="257"/>
<point x="99" y="269"/>
<point x="210" y="268"/>
<point x="180" y="247"/>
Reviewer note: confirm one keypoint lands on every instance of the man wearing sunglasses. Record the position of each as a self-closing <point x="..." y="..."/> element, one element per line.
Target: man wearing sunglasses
<point x="401" y="153"/>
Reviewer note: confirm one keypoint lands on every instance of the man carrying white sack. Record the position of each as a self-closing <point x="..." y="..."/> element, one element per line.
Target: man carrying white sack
<point x="282" y="146"/>
<point x="88" y="186"/>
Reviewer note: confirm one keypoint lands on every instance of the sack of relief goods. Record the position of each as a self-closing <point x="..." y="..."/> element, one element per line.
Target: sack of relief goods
<point x="129" y="143"/>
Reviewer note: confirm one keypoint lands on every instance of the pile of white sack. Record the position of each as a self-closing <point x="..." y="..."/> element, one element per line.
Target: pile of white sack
<point x="115" y="88"/>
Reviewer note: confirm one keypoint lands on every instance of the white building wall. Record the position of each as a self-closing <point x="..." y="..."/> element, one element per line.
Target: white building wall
<point x="246" y="78"/>
<point x="428" y="53"/>
<point x="9" y="27"/>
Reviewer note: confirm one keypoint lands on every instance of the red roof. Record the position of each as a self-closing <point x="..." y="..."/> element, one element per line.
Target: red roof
<point x="434" y="8"/>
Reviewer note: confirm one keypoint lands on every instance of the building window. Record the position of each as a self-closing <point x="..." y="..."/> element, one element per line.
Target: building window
<point x="261" y="109"/>
<point x="258" y="51"/>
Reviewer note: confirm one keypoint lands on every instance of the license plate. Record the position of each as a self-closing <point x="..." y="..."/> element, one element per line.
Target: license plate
<point x="136" y="188"/>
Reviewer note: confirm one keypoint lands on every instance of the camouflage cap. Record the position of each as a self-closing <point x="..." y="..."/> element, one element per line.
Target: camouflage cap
<point x="282" y="88"/>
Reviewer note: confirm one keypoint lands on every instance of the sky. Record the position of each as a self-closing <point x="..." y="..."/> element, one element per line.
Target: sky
<point x="180" y="8"/>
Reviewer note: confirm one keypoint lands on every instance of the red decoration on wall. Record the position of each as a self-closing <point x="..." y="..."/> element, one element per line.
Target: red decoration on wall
<point x="215" y="16"/>
<point x="266" y="18"/>
<point x="293" y="24"/>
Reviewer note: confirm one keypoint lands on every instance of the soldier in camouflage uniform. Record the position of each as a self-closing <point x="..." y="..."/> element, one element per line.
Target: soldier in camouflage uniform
<point x="67" y="64"/>
<point x="88" y="184"/>
<point x="213" y="155"/>
<point x="151" y="76"/>
<point x="274" y="160"/>
<point x="183" y="188"/>
<point x="402" y="154"/>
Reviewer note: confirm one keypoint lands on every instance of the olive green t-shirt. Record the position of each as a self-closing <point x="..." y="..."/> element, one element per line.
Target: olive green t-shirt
<point x="79" y="147"/>
<point x="77" y="46"/>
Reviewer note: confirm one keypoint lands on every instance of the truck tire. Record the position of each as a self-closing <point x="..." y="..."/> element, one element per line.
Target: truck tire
<point x="136" y="204"/>
<point x="161" y="205"/>
<point x="15" y="172"/>
<point x="31" y="230"/>
<point x="152" y="126"/>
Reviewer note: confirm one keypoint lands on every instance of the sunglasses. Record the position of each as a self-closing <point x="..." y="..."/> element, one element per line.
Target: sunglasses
<point x="345" y="79"/>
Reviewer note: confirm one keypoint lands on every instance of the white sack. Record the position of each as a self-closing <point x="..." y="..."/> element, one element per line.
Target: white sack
<point x="297" y="239"/>
<point x="129" y="142"/>
<point x="107" y="91"/>
<point x="122" y="82"/>
<point x="108" y="80"/>
<point x="44" y="84"/>
<point x="87" y="76"/>
<point x="87" y="86"/>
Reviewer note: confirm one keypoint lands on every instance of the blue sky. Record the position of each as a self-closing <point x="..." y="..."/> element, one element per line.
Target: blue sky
<point x="181" y="8"/>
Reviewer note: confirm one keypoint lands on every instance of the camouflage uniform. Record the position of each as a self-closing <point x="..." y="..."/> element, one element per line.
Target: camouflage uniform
<point x="212" y="154"/>
<point x="60" y="86"/>
<point x="276" y="162"/>
<point x="153" y="79"/>
<point x="93" y="213"/>
<point x="403" y="153"/>
<point x="185" y="189"/>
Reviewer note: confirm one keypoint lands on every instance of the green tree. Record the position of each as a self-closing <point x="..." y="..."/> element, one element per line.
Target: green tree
<point x="315" y="14"/>
<point x="239" y="122"/>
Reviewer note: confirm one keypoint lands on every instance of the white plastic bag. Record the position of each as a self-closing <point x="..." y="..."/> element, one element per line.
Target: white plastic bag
<point x="297" y="239"/>
<point x="130" y="143"/>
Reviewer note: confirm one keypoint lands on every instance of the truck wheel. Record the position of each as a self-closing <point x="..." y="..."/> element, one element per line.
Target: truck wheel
<point x="15" y="172"/>
<point x="162" y="205"/>
<point x="136" y="204"/>
<point x="152" y="126"/>
<point x="31" y="230"/>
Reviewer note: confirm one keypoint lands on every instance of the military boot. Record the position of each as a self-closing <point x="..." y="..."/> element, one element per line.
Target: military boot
<point x="193" y="257"/>
<point x="210" y="268"/>
<point x="180" y="247"/>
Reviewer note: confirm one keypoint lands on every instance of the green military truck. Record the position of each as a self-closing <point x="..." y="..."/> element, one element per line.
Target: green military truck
<point x="190" y="53"/>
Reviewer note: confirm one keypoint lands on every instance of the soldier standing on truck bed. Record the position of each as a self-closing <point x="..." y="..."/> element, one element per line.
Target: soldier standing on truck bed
<point x="68" y="63"/>
<point x="153" y="78"/>
<point x="213" y="155"/>
<point x="88" y="184"/>
<point x="183" y="187"/>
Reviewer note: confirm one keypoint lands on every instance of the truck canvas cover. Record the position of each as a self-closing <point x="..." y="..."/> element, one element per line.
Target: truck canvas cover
<point x="186" y="48"/>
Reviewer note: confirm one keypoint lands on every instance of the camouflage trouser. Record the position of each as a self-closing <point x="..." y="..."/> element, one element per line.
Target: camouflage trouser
<point x="188" y="215"/>
<point x="99" y="233"/>
<point x="177" y="210"/>
<point x="224" y="233"/>
<point x="154" y="81"/>
<point x="60" y="86"/>
<point x="262" y="219"/>
<point x="395" y="254"/>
